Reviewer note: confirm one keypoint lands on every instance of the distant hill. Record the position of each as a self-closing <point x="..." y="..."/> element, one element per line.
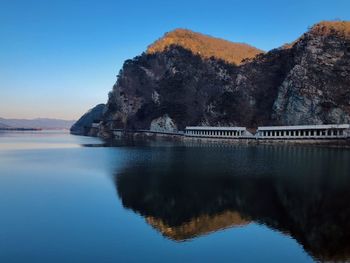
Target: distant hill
<point x="2" y="126"/>
<point x="43" y="123"/>
<point x="83" y="125"/>
<point x="205" y="46"/>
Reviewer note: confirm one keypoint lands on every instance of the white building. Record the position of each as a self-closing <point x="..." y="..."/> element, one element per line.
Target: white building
<point x="217" y="132"/>
<point x="304" y="132"/>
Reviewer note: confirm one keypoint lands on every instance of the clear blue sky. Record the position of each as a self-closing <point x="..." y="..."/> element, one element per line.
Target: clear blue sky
<point x="59" y="58"/>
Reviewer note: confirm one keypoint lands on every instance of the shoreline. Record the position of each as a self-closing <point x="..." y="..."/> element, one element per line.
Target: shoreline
<point x="179" y="137"/>
<point x="21" y="129"/>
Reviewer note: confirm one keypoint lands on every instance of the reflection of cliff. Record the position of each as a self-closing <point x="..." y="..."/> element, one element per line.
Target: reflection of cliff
<point x="201" y="225"/>
<point x="187" y="192"/>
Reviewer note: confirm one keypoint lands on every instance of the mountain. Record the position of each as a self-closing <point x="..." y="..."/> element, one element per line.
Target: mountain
<point x="205" y="46"/>
<point x="2" y="126"/>
<point x="83" y="125"/>
<point x="186" y="79"/>
<point x="42" y="123"/>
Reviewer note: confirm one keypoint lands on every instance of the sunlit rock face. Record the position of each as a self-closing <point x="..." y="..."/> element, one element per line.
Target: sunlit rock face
<point x="306" y="82"/>
<point x="316" y="88"/>
<point x="205" y="46"/>
<point x="289" y="189"/>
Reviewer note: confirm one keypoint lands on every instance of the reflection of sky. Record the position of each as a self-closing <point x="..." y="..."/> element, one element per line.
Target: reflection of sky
<point x="28" y="146"/>
<point x="59" y="58"/>
<point x="60" y="205"/>
<point x="41" y="140"/>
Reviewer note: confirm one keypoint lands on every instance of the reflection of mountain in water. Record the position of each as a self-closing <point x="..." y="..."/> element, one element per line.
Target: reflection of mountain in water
<point x="187" y="192"/>
<point x="197" y="226"/>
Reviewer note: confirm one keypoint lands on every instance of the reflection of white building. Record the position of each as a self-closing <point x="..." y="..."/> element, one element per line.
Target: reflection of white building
<point x="217" y="132"/>
<point x="304" y="132"/>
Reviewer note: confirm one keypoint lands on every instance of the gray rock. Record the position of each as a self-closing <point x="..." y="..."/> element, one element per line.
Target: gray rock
<point x="163" y="124"/>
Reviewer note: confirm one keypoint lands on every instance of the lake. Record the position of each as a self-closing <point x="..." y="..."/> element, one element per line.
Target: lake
<point x="66" y="198"/>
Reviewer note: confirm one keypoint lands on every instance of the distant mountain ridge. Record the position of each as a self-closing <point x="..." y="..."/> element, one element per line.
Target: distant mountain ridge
<point x="2" y="126"/>
<point x="40" y="123"/>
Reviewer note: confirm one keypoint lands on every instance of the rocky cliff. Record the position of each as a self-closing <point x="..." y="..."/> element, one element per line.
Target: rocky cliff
<point x="316" y="89"/>
<point x="186" y="78"/>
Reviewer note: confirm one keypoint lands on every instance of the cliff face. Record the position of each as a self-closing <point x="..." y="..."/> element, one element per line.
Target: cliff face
<point x="178" y="83"/>
<point x="188" y="90"/>
<point x="317" y="88"/>
<point x="174" y="84"/>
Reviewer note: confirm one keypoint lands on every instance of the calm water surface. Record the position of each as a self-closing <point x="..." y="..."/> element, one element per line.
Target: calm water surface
<point x="64" y="199"/>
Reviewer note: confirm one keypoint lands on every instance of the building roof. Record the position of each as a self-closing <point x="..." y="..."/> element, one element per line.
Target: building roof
<point x="304" y="127"/>
<point x="213" y="128"/>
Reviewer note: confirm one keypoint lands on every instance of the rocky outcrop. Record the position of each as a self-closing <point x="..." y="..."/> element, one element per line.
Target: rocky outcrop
<point x="84" y="125"/>
<point x="175" y="83"/>
<point x="163" y="124"/>
<point x="317" y="88"/>
<point x="306" y="82"/>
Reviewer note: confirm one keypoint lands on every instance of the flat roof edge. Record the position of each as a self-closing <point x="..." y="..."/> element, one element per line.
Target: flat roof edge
<point x="213" y="128"/>
<point x="301" y="127"/>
